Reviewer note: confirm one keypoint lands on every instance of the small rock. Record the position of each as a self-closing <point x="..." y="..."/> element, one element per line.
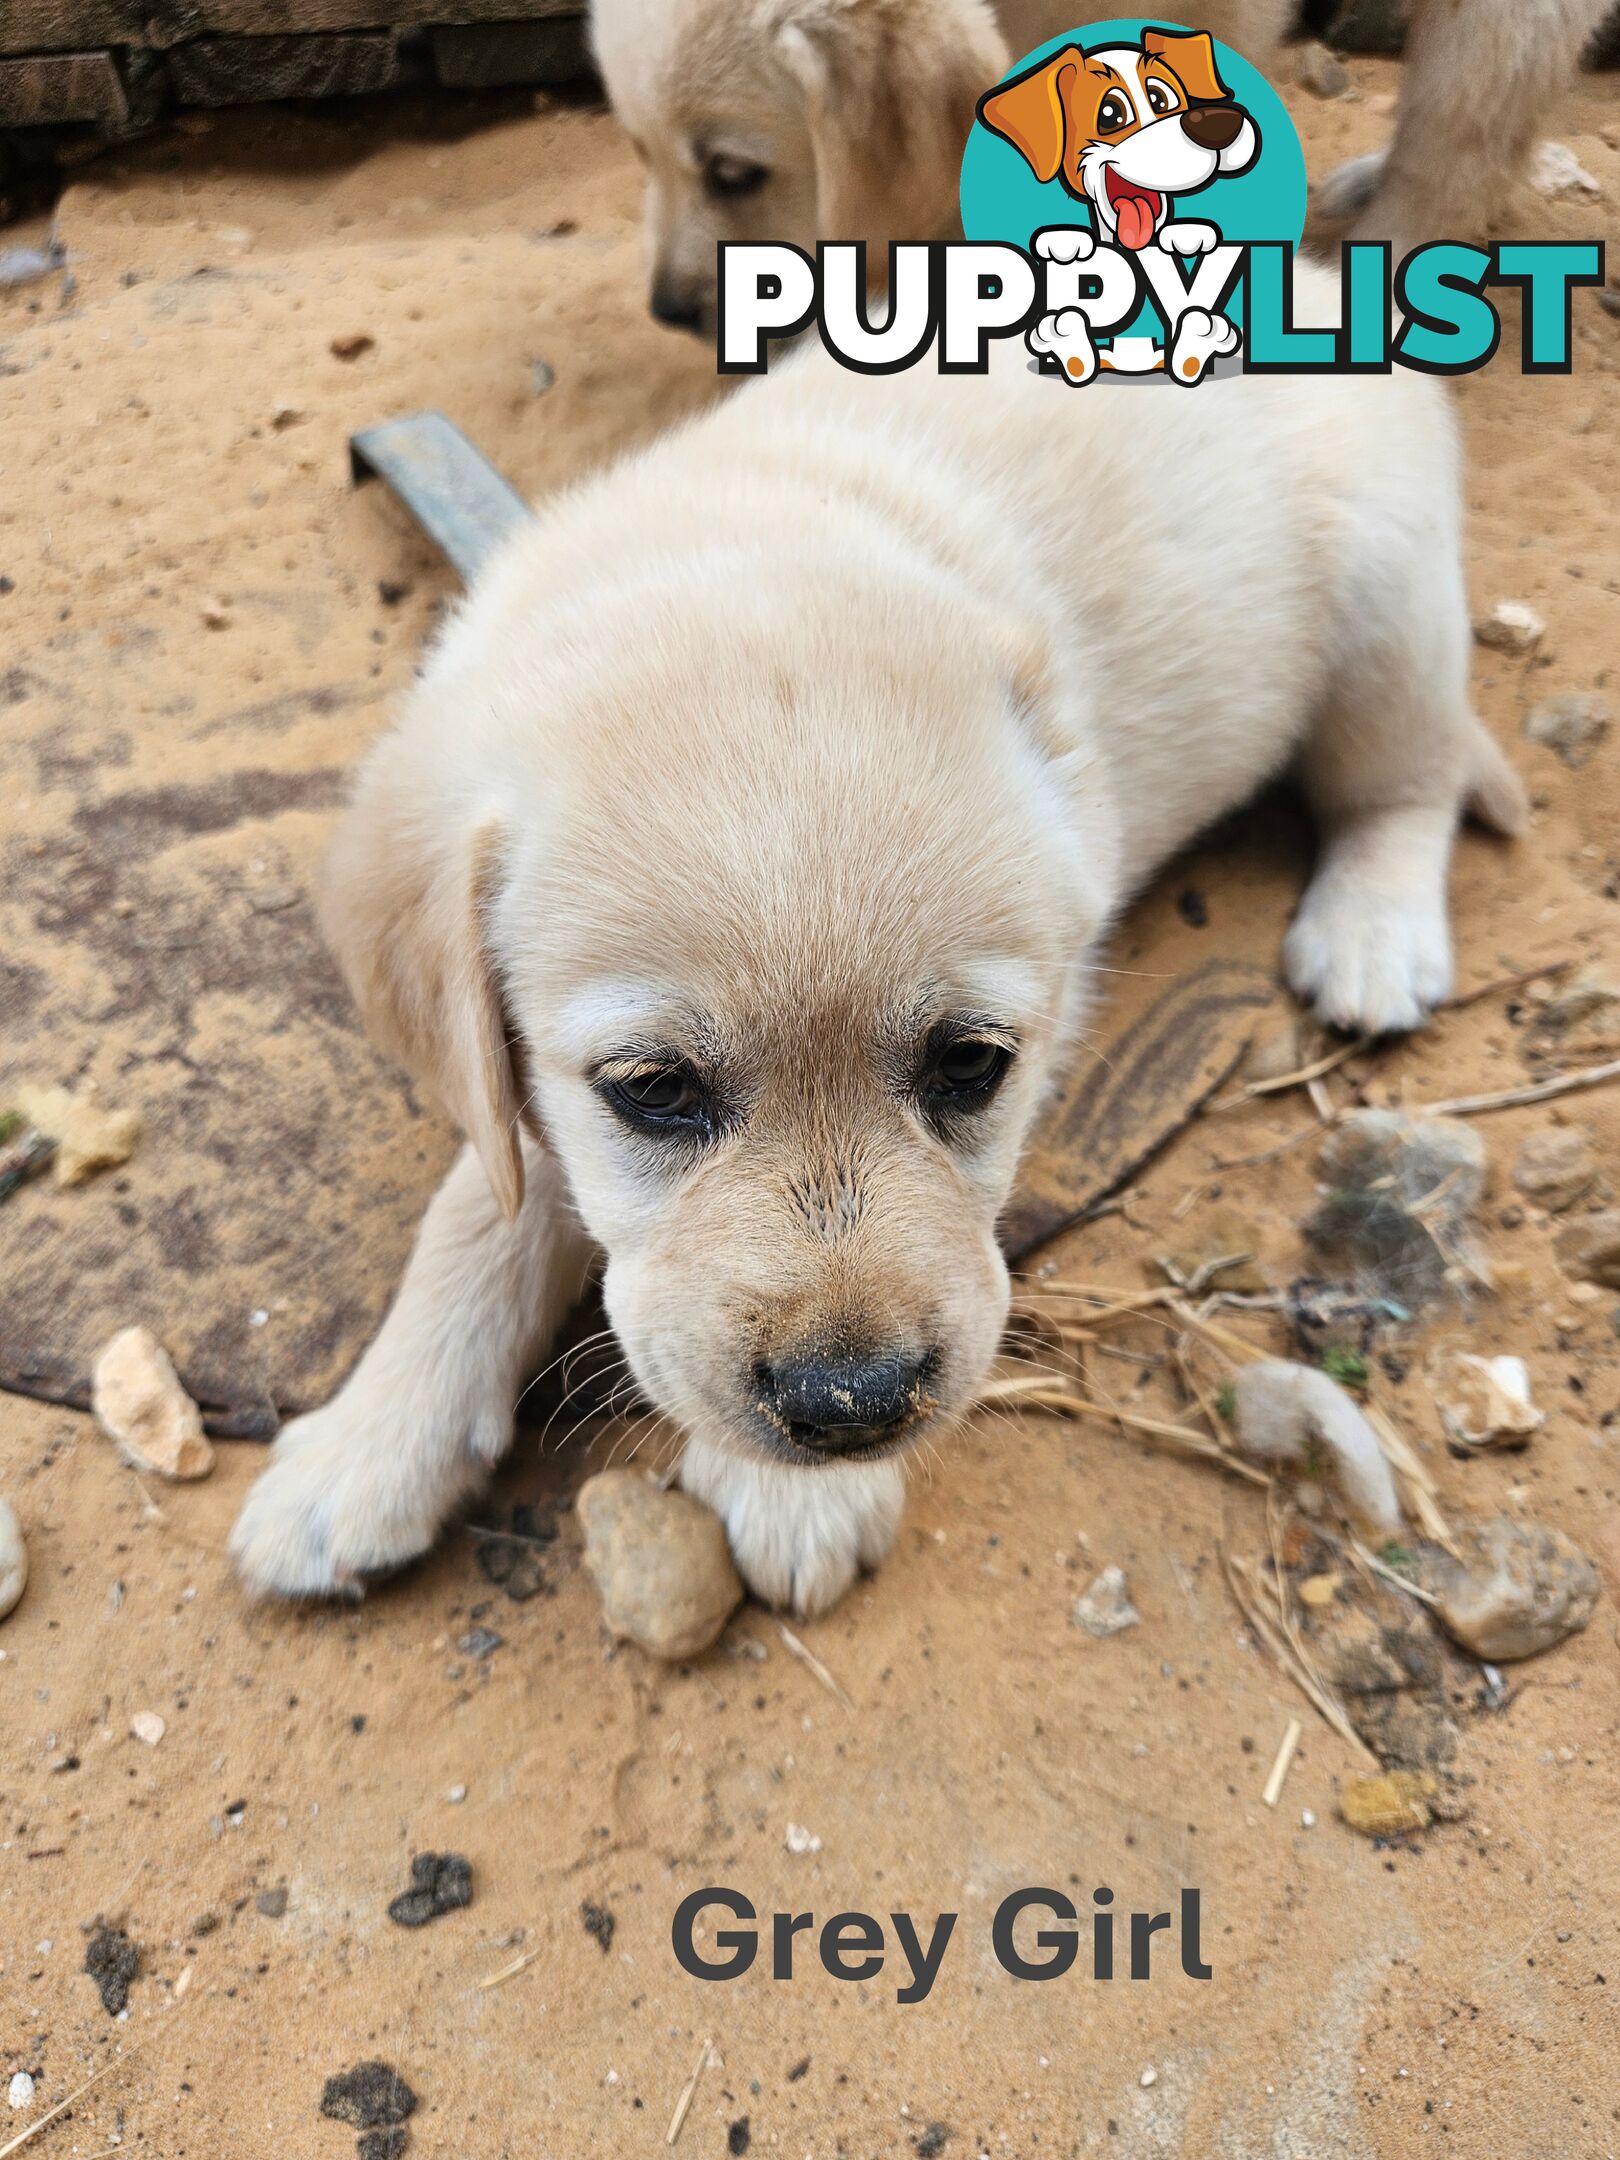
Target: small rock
<point x="456" y="1795"/>
<point x="541" y="377"/>
<point x="371" y="2096"/>
<point x="1512" y="1590"/>
<point x="87" y="1137"/>
<point x="1387" y="1804"/>
<point x="599" y="1925"/>
<point x="1149" y="2077"/>
<point x="216" y="615"/>
<point x="112" y="1961"/>
<point x="1106" y="1609"/>
<point x="440" y="1883"/>
<point x="20" y="2092"/>
<point x="137" y="1397"/>
<point x="1293" y="1415"/>
<point x="1224" y="1254"/>
<point x="381" y="2144"/>
<point x="13" y="1559"/>
<point x="1571" y="726"/>
<point x="272" y="1903"/>
<point x="1319" y="1589"/>
<point x="1589" y="1250"/>
<point x="147" y="1727"/>
<point x="1511" y="627"/>
<point x="1403" y="1190"/>
<point x="1557" y="1167"/>
<point x="1584" y="1016"/>
<point x="351" y="346"/>
<point x="799" y="1840"/>
<point x="1556" y="170"/>
<point x="1484" y="1402"/>
<point x="1321" y="71"/>
<point x="660" y="1564"/>
<point x="738" y="2137"/>
<point x="480" y="1642"/>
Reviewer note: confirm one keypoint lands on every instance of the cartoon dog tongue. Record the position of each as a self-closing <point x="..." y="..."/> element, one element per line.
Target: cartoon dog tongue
<point x="1134" y="214"/>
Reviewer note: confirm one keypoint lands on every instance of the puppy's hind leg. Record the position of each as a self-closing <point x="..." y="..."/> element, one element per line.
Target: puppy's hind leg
<point x="366" y="1483"/>
<point x="1393" y="758"/>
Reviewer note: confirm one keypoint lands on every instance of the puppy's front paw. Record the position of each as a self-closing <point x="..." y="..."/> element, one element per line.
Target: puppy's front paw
<point x="356" y="1489"/>
<point x="1188" y="237"/>
<point x="1065" y="338"/>
<point x="1066" y="243"/>
<point x="799" y="1537"/>
<point x="1368" y="963"/>
<point x="1201" y="337"/>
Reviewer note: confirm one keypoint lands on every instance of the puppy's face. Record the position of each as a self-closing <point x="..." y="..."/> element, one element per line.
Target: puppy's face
<point x="794" y="122"/>
<point x="791" y="944"/>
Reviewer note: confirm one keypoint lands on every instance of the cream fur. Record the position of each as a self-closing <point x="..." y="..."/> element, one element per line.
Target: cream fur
<point x="857" y="703"/>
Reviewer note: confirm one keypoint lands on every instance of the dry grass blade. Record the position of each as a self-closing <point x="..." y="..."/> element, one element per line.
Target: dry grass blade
<point x="1303" y="1078"/>
<point x="684" y="2102"/>
<point x="1419" y="1498"/>
<point x="24" y="2137"/>
<point x="507" y="1972"/>
<point x="1293" y="1733"/>
<point x="1042" y="1392"/>
<point x="1536" y="1091"/>
<point x="807" y="1657"/>
<point x="1259" y="1601"/>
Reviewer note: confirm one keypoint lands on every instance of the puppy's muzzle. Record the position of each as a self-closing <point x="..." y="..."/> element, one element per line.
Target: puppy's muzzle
<point x="845" y="1405"/>
<point x="678" y="305"/>
<point x="1213" y="127"/>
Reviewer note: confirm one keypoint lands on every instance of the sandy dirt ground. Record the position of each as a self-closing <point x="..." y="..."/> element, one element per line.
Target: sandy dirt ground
<point x="200" y="627"/>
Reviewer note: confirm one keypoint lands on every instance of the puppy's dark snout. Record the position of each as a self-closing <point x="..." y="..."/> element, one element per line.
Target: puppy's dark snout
<point x="677" y="304"/>
<point x="839" y="1404"/>
<point x="1212" y="127"/>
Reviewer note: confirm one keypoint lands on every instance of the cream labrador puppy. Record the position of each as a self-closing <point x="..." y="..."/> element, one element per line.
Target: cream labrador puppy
<point x="736" y="867"/>
<point x="802" y="120"/>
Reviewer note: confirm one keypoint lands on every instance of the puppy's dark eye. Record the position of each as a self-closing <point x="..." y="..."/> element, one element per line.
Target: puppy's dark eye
<point x="1159" y="97"/>
<point x="1113" y="113"/>
<point x="661" y="1095"/>
<point x="733" y="176"/>
<point x="964" y="1072"/>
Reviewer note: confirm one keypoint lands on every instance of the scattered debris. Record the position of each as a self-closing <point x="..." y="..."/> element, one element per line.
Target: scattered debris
<point x="272" y="1903"/>
<point x="112" y="1961"/>
<point x="371" y="2096"/>
<point x="20" y="2092"/>
<point x="1222" y="1254"/>
<point x="24" y="1152"/>
<point x="799" y="1840"/>
<point x="147" y="1727"/>
<point x="352" y="345"/>
<point x="738" y="2137"/>
<point x="1556" y="170"/>
<point x="1321" y="71"/>
<point x="519" y="1964"/>
<point x="87" y="1137"/>
<point x="381" y="2144"/>
<point x="1581" y="1017"/>
<point x="216" y="614"/>
<point x="807" y="1658"/>
<point x="1571" y="726"/>
<point x="1106" y="1609"/>
<point x="1536" y="1091"/>
<point x="1512" y="626"/>
<point x="1292" y="1415"/>
<point x="479" y="1642"/>
<point x="660" y="1563"/>
<point x="514" y="1558"/>
<point x="1484" y="1402"/>
<point x="1511" y="1589"/>
<point x="1402" y="1190"/>
<point x="1589" y="1250"/>
<point x="1557" y="1167"/>
<point x="599" y="1925"/>
<point x="440" y="1883"/>
<point x="1393" y="1801"/>
<point x="1331" y="1323"/>
<point x="1293" y="1733"/>
<point x="13" y="1559"/>
<point x="137" y="1397"/>
<point x="931" y="2140"/>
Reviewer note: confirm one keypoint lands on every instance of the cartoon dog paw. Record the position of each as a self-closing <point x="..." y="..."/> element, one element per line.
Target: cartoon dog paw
<point x="1066" y="243"/>
<point x="1190" y="237"/>
<point x="1200" y="338"/>
<point x="1066" y="339"/>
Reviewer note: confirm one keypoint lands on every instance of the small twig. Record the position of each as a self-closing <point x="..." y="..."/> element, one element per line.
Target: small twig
<point x="1246" y="1593"/>
<point x="1551" y="971"/>
<point x="1302" y="1078"/>
<point x="523" y="1958"/>
<point x="1510" y="1098"/>
<point x="681" y="2105"/>
<point x="22" y="2138"/>
<point x="807" y="1657"/>
<point x="1293" y="1733"/>
<point x="1039" y="1394"/>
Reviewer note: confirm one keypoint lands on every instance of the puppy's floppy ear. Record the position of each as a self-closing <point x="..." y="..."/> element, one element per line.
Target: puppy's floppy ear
<point x="1190" y="56"/>
<point x="889" y="97"/>
<point x="407" y="895"/>
<point x="1032" y="112"/>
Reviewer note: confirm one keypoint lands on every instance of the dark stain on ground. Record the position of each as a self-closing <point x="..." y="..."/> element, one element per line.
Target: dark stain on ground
<point x="112" y="1961"/>
<point x="143" y="821"/>
<point x="932" y="2141"/>
<point x="382" y="2144"/>
<point x="440" y="1882"/>
<point x="737" y="2137"/>
<point x="371" y="2096"/>
<point x="599" y="1924"/>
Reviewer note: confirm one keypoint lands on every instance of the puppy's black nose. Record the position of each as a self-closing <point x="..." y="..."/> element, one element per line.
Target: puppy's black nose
<point x="837" y="1405"/>
<point x="677" y="305"/>
<point x="1213" y="127"/>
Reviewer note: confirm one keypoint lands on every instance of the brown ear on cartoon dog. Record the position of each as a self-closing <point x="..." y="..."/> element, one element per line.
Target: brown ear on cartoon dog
<point x="1031" y="112"/>
<point x="1190" y="57"/>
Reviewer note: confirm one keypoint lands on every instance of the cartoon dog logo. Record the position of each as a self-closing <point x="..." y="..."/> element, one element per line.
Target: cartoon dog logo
<point x="1126" y="129"/>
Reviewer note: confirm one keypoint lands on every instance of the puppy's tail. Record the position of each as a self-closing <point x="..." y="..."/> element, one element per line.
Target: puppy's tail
<point x="1495" y="793"/>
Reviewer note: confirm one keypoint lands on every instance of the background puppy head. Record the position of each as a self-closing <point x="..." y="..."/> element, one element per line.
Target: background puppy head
<point x="776" y="909"/>
<point x="792" y="120"/>
<point x="1127" y="127"/>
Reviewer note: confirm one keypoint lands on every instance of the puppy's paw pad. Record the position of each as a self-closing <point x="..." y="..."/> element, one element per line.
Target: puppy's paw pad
<point x="1366" y="964"/>
<point x="1350" y="187"/>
